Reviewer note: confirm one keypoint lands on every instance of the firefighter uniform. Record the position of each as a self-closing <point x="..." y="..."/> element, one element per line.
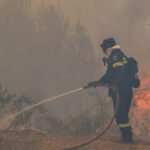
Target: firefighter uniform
<point x="117" y="76"/>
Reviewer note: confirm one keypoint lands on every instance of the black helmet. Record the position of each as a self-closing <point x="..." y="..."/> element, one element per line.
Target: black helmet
<point x="107" y="43"/>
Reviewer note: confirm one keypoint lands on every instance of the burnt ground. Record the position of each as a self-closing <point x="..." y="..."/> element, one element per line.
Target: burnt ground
<point x="35" y="140"/>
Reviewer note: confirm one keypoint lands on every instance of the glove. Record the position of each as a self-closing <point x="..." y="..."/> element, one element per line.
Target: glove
<point x="92" y="84"/>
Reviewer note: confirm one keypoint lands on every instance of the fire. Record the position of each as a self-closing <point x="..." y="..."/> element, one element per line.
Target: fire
<point x="142" y="95"/>
<point x="142" y="101"/>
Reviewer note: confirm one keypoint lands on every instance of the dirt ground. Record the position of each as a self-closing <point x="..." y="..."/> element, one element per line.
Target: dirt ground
<point x="35" y="140"/>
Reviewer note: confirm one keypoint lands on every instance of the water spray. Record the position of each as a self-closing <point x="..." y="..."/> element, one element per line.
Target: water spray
<point x="6" y="121"/>
<point x="48" y="100"/>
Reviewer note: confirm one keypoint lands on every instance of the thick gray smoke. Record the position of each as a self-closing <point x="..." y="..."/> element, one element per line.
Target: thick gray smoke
<point x="40" y="51"/>
<point x="125" y="20"/>
<point x="50" y="49"/>
<point x="44" y="53"/>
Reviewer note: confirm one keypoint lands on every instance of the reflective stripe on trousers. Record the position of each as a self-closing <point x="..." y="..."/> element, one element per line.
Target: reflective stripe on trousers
<point x="124" y="125"/>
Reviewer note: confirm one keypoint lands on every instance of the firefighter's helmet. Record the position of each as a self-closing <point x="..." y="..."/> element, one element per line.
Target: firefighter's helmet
<point x="107" y="43"/>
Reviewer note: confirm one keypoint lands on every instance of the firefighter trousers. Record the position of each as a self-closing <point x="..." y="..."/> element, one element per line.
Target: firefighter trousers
<point x="122" y="118"/>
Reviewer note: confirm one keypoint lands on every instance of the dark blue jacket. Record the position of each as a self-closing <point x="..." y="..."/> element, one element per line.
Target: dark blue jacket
<point x="117" y="73"/>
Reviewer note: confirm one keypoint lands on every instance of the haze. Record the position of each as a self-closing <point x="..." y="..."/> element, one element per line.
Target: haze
<point x="27" y="71"/>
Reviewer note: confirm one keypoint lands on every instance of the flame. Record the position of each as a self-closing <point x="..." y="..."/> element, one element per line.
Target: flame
<point x="142" y="100"/>
<point x="142" y="95"/>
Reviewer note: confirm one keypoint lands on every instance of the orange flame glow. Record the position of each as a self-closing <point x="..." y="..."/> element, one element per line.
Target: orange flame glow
<point x="142" y="100"/>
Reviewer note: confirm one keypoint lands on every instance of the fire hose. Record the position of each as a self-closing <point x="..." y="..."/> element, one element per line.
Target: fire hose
<point x="105" y="129"/>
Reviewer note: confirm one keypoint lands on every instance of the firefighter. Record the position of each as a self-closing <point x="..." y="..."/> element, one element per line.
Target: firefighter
<point x="117" y="76"/>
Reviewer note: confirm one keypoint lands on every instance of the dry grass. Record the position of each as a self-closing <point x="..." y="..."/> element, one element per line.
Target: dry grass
<point x="34" y="140"/>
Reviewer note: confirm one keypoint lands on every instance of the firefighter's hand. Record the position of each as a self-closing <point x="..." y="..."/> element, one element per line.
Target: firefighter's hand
<point x="92" y="84"/>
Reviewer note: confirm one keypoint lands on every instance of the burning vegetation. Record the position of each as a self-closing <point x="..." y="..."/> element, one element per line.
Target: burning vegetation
<point x="142" y="103"/>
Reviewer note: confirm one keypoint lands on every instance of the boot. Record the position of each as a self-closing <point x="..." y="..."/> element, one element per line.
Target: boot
<point x="126" y="135"/>
<point x="127" y="140"/>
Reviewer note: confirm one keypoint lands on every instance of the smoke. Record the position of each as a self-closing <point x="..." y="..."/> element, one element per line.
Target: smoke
<point x="44" y="53"/>
<point x="53" y="49"/>
<point x="126" y="21"/>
